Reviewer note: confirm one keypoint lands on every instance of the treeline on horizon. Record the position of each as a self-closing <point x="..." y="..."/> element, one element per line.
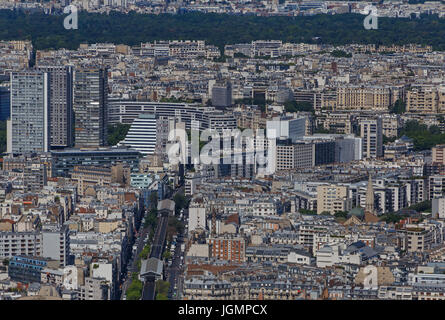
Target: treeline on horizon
<point x="47" y="31"/>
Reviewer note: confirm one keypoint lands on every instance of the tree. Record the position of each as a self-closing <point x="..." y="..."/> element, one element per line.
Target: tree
<point x="388" y="140"/>
<point x="46" y="31"/>
<point x="399" y="107"/>
<point x="341" y="214"/>
<point x="421" y="206"/>
<point x="161" y="296"/>
<point x="167" y="255"/>
<point x="340" y="54"/>
<point x="117" y="133"/>
<point x="391" y="217"/>
<point x="308" y="212"/>
<point x="239" y="55"/>
<point x="145" y="252"/>
<point x="151" y="219"/>
<point x="134" y="291"/>
<point x="153" y="199"/>
<point x="423" y="137"/>
<point x="293" y="106"/>
<point x="180" y="202"/>
<point x="162" y="289"/>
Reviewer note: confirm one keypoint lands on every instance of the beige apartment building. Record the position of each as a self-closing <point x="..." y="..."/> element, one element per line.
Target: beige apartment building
<point x="439" y="153"/>
<point x="371" y="131"/>
<point x="325" y="101"/>
<point x="91" y="176"/>
<point x="391" y="125"/>
<point x="333" y="198"/>
<point x="340" y="122"/>
<point x="416" y="239"/>
<point x="384" y="276"/>
<point x="426" y="99"/>
<point x="364" y="98"/>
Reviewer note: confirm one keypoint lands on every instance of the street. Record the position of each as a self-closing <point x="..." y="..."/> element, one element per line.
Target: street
<point x="175" y="271"/>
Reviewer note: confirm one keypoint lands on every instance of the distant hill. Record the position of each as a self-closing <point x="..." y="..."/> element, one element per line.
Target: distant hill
<point x="46" y="31"/>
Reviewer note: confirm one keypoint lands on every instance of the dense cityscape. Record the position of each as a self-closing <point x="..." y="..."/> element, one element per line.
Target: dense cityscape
<point x="179" y="169"/>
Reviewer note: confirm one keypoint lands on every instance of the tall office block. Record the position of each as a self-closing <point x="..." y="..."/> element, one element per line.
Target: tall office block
<point x="222" y="94"/>
<point x="371" y="133"/>
<point x="5" y="103"/>
<point x="29" y="126"/>
<point x="287" y="127"/>
<point x="90" y="107"/>
<point x="61" y="104"/>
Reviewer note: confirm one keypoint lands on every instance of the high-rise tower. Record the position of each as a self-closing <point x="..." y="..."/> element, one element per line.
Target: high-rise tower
<point x="28" y="130"/>
<point x="90" y="107"/>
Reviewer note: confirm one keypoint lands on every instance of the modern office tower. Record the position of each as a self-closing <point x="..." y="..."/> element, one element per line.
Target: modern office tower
<point x="142" y="134"/>
<point x="324" y="152"/>
<point x="5" y="103"/>
<point x="287" y="127"/>
<point x="90" y="107"/>
<point x="163" y="126"/>
<point x="28" y="129"/>
<point x="371" y="133"/>
<point x="294" y="155"/>
<point x="222" y="94"/>
<point x="61" y="104"/>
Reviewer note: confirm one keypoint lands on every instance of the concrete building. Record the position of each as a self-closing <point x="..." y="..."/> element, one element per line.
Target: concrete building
<point x="65" y="160"/>
<point x="56" y="243"/>
<point x="197" y="217"/>
<point x="142" y="134"/>
<point x="363" y="98"/>
<point x="371" y="133"/>
<point x="230" y="248"/>
<point x="438" y="208"/>
<point x="5" y="104"/>
<point x="222" y="94"/>
<point x="332" y="198"/>
<point x="287" y="127"/>
<point x="28" y="130"/>
<point x="422" y="99"/>
<point x="61" y="104"/>
<point x="90" y="107"/>
<point x="438" y="153"/>
<point x="28" y="269"/>
<point x="294" y="155"/>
